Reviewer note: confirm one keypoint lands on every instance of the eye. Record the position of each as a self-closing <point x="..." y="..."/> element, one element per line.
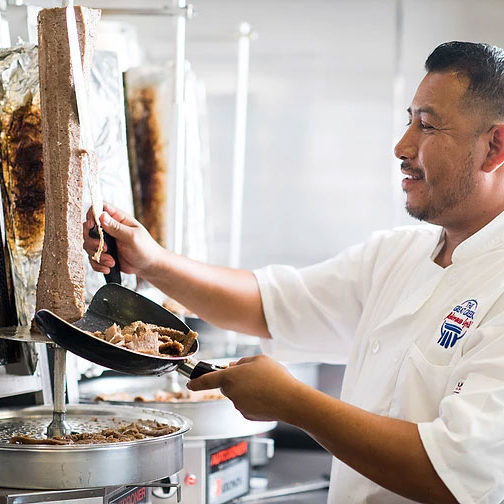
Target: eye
<point x="425" y="126"/>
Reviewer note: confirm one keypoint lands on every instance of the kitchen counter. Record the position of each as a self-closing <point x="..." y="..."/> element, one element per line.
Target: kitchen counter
<point x="291" y="467"/>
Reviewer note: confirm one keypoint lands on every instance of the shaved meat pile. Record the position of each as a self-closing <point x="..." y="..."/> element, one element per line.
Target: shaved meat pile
<point x="164" y="396"/>
<point x="140" y="429"/>
<point x="149" y="339"/>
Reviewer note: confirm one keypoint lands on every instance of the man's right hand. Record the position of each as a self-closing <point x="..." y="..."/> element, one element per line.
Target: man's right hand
<point x="138" y="252"/>
<point x="225" y="297"/>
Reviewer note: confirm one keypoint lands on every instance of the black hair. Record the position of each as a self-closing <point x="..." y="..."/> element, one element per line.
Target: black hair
<point x="481" y="64"/>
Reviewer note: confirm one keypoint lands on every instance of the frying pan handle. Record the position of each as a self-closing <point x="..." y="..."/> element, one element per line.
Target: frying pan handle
<point x="192" y="368"/>
<point x="115" y="272"/>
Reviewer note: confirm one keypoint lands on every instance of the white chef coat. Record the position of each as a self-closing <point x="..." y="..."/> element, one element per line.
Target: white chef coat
<point x="422" y="343"/>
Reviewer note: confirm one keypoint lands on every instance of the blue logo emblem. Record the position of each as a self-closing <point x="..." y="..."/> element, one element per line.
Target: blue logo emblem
<point x="457" y="322"/>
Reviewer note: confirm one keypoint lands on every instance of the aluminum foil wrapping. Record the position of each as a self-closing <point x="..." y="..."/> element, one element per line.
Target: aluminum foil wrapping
<point x="22" y="180"/>
<point x="109" y="131"/>
<point x="22" y="184"/>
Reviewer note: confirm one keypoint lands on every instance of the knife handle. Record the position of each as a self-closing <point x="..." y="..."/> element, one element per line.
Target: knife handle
<point x="115" y="272"/>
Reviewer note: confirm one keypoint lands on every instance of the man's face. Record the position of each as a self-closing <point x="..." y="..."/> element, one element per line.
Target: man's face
<point x="440" y="151"/>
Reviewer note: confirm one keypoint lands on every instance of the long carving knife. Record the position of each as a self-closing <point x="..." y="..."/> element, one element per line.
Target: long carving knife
<point x="87" y="146"/>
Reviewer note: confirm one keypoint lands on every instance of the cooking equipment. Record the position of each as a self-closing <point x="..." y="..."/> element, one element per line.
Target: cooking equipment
<point x="59" y="426"/>
<point x="113" y="303"/>
<point x="218" y="450"/>
<point x="87" y="466"/>
<point x="127" y="494"/>
<point x="211" y="418"/>
<point x="86" y="139"/>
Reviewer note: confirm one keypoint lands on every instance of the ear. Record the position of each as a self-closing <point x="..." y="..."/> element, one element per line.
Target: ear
<point x="495" y="155"/>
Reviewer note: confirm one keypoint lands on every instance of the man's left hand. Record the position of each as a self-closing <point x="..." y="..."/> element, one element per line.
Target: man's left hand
<point x="260" y="388"/>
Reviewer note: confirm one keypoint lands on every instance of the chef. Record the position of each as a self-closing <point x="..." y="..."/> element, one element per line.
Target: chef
<point x="416" y="312"/>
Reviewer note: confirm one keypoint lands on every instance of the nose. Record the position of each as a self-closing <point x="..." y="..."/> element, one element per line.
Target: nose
<point x="406" y="148"/>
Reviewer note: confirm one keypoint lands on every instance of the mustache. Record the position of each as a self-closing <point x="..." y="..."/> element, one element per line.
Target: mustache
<point x="406" y="166"/>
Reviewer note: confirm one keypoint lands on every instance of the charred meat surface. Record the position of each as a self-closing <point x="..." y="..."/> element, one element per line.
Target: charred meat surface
<point x="149" y="339"/>
<point x="151" y="170"/>
<point x="23" y="177"/>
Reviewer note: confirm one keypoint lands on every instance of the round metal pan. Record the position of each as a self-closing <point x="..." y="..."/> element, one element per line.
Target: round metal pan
<point x="111" y="304"/>
<point x="211" y="418"/>
<point x="89" y="465"/>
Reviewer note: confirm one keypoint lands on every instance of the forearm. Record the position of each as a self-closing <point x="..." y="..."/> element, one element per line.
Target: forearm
<point x="225" y="297"/>
<point x="386" y="450"/>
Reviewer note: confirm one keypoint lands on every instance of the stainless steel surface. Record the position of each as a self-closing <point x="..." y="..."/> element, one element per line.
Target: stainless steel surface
<point x="187" y="367"/>
<point x="299" y="488"/>
<point x="87" y="466"/>
<point x="39" y="382"/>
<point x="292" y="476"/>
<point x="59" y="426"/>
<point x="81" y="98"/>
<point x="24" y="334"/>
<point x="17" y="496"/>
<point x="191" y="368"/>
<point x="212" y="419"/>
<point x="262" y="450"/>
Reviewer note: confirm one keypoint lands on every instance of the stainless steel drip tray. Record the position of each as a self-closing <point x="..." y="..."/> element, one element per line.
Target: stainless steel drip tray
<point x="47" y="467"/>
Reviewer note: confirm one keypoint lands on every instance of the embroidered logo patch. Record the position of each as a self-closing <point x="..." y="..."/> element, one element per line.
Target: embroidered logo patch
<point x="459" y="386"/>
<point x="457" y="322"/>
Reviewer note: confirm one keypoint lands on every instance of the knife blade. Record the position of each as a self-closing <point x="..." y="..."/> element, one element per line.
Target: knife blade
<point x="87" y="146"/>
<point x="86" y="132"/>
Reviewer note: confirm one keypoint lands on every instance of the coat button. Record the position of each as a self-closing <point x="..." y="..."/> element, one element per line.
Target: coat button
<point x="375" y="346"/>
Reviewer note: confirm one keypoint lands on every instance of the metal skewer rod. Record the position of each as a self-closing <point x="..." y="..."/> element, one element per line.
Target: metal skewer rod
<point x="176" y="182"/>
<point x="59" y="379"/>
<point x="239" y="145"/>
<point x="238" y="168"/>
<point x="58" y="426"/>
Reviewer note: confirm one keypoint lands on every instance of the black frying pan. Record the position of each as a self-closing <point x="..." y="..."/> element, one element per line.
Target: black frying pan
<point x="113" y="303"/>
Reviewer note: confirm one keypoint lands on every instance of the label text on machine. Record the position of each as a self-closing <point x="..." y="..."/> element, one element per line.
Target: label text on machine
<point x="230" y="453"/>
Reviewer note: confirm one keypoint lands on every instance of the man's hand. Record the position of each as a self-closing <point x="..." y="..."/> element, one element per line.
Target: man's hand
<point x="386" y="450"/>
<point x="138" y="251"/>
<point x="260" y="388"/>
<point x="224" y="297"/>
